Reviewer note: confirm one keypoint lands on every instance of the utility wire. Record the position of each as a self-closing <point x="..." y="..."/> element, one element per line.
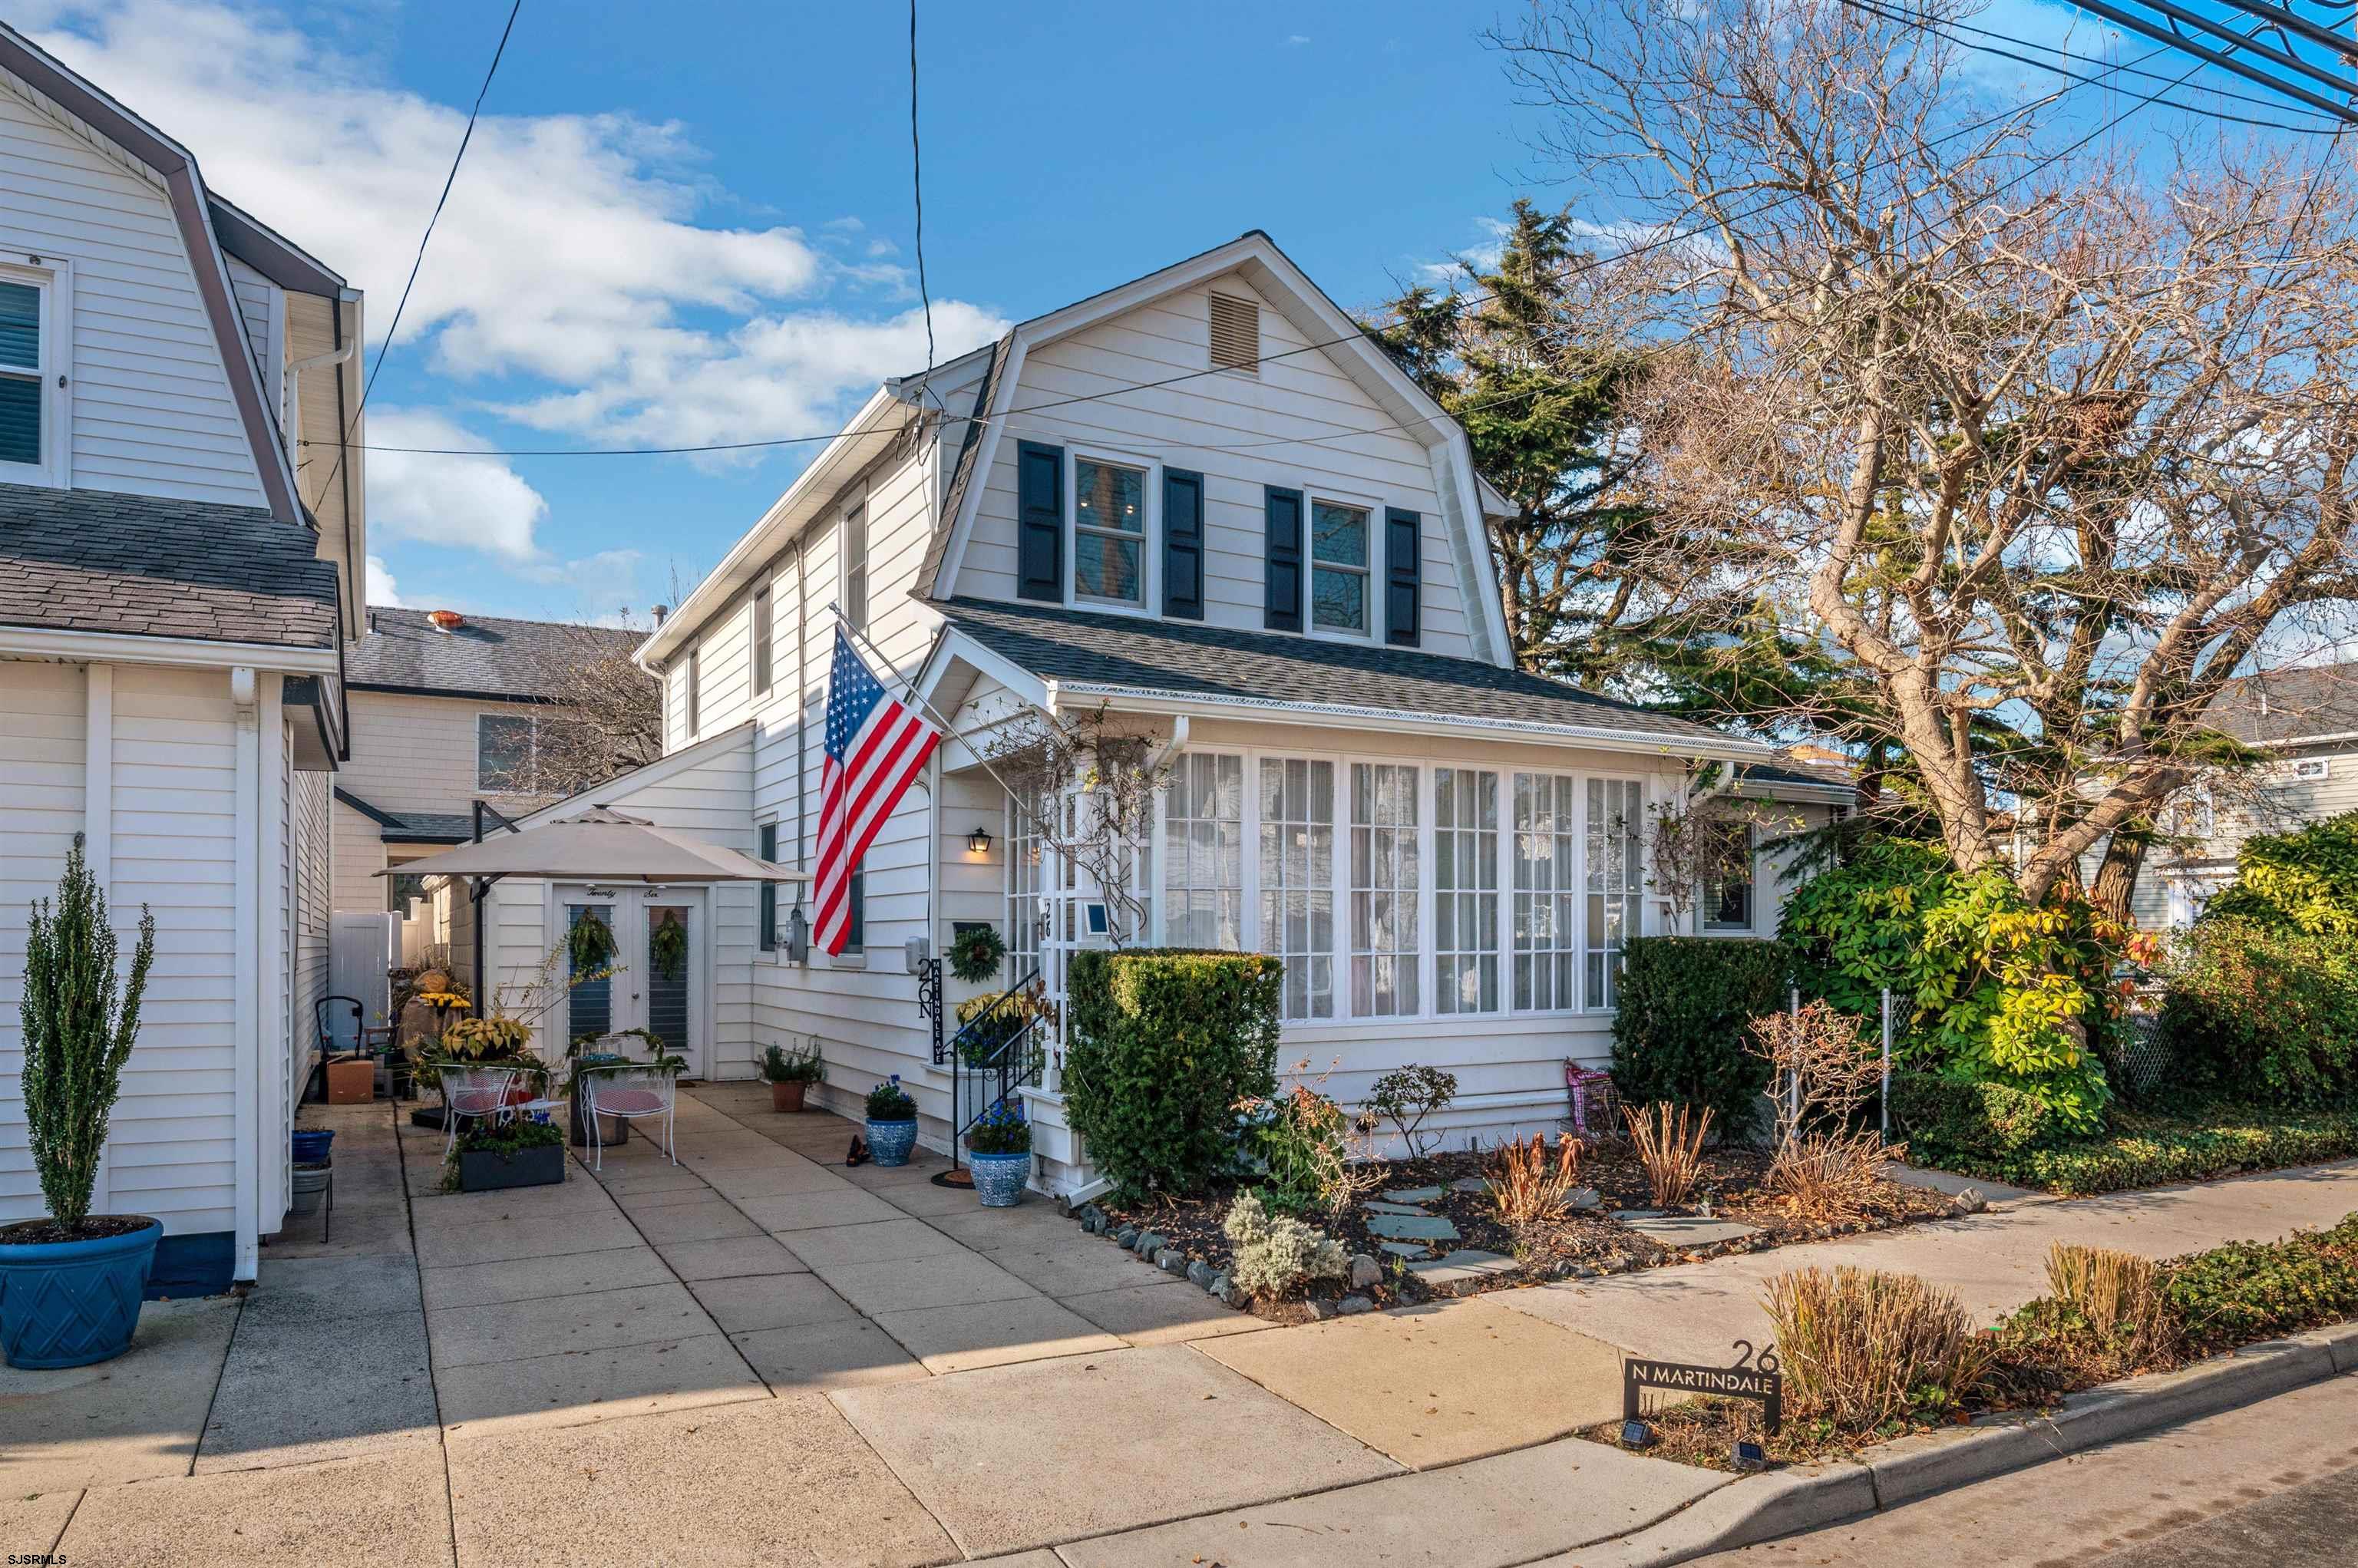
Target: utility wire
<point x="1675" y="237"/>
<point x="917" y="187"/>
<point x="385" y="350"/>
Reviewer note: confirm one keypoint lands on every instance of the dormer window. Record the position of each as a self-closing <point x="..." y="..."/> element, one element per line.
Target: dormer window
<point x="1339" y="568"/>
<point x="1109" y="533"/>
<point x="29" y="357"/>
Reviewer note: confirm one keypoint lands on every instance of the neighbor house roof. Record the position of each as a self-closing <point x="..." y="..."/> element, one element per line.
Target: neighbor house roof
<point x="2286" y="706"/>
<point x="1097" y="654"/>
<point x="482" y="656"/>
<point x="413" y="826"/>
<point x="91" y="560"/>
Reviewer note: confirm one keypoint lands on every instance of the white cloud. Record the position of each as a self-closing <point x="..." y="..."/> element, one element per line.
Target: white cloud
<point x="571" y="250"/>
<point x="381" y="588"/>
<point x="463" y="502"/>
<point x="1295" y="40"/>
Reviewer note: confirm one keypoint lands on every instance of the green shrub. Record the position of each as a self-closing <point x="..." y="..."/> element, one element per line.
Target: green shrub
<point x="1683" y="1030"/>
<point x="2255" y="1009"/>
<point x="1406" y="1097"/>
<point x="2148" y="1149"/>
<point x="2307" y="881"/>
<point x="1167" y="1043"/>
<point x="1274" y="1252"/>
<point x="2249" y="1290"/>
<point x="888" y="1101"/>
<point x="1298" y="1145"/>
<point x="1943" y="1118"/>
<point x="1002" y="1129"/>
<point x="1994" y="990"/>
<point x="802" y="1065"/>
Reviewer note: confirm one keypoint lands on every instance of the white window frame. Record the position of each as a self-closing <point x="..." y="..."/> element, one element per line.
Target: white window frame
<point x="1150" y="530"/>
<point x="762" y="639"/>
<point x="1313" y="496"/>
<point x="1470" y="899"/>
<point x="531" y="755"/>
<point x="1605" y="997"/>
<point x="853" y="523"/>
<point x="1572" y="942"/>
<point x="54" y="280"/>
<point x="1150" y="549"/>
<point x="2310" y="770"/>
<point x="1703" y="921"/>
<point x="1166" y="860"/>
<point x="1337" y="827"/>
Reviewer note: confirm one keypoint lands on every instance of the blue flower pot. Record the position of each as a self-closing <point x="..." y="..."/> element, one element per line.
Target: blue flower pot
<point x="69" y="1303"/>
<point x="888" y="1142"/>
<point x="999" y="1178"/>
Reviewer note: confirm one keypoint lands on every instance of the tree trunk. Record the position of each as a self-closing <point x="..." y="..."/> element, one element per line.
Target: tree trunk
<point x="2123" y="857"/>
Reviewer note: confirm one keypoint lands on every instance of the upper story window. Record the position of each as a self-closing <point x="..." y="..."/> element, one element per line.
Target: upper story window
<point x="762" y="644"/>
<point x="1727" y="891"/>
<point x="29" y="361"/>
<point x="529" y="753"/>
<point x="693" y="697"/>
<point x="1339" y="568"/>
<point x="855" y="568"/>
<point x="1108" y="533"/>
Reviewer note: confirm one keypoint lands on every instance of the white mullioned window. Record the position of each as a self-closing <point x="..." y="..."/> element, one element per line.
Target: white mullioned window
<point x="1024" y="889"/>
<point x="1297" y="880"/>
<point x="34" y="316"/>
<point x="1617" y="812"/>
<point x="1546" y="919"/>
<point x="1339" y="543"/>
<point x="1203" y="852"/>
<point x="1108" y="533"/>
<point x="1466" y="890"/>
<point x="1386" y="882"/>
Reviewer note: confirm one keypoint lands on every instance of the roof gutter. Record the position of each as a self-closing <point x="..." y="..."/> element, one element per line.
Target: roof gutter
<point x="135" y="648"/>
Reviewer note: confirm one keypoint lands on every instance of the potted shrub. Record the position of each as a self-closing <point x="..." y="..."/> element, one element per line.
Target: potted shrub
<point x="70" y="1285"/>
<point x="999" y="1148"/>
<point x="892" y="1123"/>
<point x="791" y="1074"/>
<point x="517" y="1153"/>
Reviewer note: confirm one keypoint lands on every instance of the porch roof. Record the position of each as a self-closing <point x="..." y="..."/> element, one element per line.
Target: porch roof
<point x="1094" y="653"/>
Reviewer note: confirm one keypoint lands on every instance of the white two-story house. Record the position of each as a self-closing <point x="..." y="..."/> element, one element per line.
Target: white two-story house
<point x="1204" y="502"/>
<point x="179" y="574"/>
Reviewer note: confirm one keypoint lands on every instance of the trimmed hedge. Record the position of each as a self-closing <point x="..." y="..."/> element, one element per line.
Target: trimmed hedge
<point x="2146" y="1149"/>
<point x="2255" y="1009"/>
<point x="1947" y="1121"/>
<point x="1166" y="1042"/>
<point x="1682" y="1029"/>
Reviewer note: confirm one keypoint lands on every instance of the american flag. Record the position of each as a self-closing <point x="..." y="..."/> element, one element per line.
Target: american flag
<point x="874" y="748"/>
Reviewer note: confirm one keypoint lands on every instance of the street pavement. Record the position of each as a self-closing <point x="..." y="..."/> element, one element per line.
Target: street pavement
<point x="2271" y="1484"/>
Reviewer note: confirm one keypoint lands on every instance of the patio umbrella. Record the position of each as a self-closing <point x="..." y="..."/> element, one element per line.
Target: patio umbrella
<point x="601" y="845"/>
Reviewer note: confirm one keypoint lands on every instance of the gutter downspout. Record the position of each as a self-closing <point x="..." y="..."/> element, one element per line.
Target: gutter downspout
<point x="794" y="916"/>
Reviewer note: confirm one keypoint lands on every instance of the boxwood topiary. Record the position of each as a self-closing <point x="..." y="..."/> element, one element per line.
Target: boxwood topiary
<point x="1164" y="1043"/>
<point x="1683" y="1032"/>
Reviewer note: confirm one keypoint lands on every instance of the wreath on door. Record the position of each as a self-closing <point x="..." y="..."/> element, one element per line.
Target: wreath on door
<point x="668" y="948"/>
<point x="590" y="943"/>
<point x="976" y="952"/>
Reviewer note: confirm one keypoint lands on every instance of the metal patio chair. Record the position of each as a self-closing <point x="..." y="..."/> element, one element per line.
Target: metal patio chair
<point x="472" y="1093"/>
<point x="628" y="1093"/>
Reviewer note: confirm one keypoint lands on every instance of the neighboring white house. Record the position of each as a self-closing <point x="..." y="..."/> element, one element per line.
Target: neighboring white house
<point x="1205" y="500"/>
<point x="447" y="710"/>
<point x="176" y="582"/>
<point x="2305" y="722"/>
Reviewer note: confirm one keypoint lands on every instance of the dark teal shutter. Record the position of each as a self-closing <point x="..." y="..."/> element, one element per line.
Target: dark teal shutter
<point x="1040" y="522"/>
<point x="1283" y="572"/>
<point x="1183" y="544"/>
<point x="1403" y="576"/>
<point x="769" y="891"/>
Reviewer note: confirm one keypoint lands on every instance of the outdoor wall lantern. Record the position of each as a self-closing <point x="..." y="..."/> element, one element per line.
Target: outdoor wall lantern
<point x="979" y="840"/>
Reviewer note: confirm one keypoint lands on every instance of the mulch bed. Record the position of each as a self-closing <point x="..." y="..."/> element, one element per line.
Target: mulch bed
<point x="1577" y="1244"/>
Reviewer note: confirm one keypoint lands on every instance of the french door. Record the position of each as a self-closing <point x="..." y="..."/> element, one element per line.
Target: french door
<point x="661" y="979"/>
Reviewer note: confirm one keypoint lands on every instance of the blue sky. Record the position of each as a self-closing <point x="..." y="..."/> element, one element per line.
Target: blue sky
<point x="692" y="224"/>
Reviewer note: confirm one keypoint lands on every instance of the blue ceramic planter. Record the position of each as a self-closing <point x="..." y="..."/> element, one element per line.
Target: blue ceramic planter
<point x="999" y="1178"/>
<point x="888" y="1142"/>
<point x="69" y="1303"/>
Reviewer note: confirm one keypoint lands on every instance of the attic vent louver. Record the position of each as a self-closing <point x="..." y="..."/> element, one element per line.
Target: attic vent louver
<point x="1236" y="334"/>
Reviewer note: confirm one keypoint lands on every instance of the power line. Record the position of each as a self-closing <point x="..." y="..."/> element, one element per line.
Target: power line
<point x="385" y="351"/>
<point x="917" y="187"/>
<point x="1675" y="237"/>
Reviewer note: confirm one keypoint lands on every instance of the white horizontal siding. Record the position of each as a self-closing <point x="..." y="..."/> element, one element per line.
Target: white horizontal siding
<point x="153" y="413"/>
<point x="42" y="731"/>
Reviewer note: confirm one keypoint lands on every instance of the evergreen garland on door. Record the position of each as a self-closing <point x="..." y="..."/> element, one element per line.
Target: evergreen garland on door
<point x="668" y="948"/>
<point x="76" y="1037"/>
<point x="590" y="943"/>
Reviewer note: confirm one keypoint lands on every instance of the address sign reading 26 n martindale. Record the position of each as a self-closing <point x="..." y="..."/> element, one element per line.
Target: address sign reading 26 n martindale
<point x="1744" y="1380"/>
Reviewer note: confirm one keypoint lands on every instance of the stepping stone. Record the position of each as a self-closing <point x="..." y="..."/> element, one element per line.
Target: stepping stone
<point x="1414" y="1194"/>
<point x="1405" y="1249"/>
<point x="1465" y="1264"/>
<point x="1411" y="1228"/>
<point x="1469" y="1184"/>
<point x="1683" y="1229"/>
<point x="1583" y="1198"/>
<point x="1375" y="1206"/>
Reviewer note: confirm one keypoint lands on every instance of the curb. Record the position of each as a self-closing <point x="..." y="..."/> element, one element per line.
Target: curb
<point x="1890" y="1475"/>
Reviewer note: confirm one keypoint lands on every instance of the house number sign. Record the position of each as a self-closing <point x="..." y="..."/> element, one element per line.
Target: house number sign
<point x="1758" y="1380"/>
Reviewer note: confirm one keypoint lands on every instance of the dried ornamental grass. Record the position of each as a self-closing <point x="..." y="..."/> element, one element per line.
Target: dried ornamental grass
<point x="1529" y="1182"/>
<point x="1828" y="1175"/>
<point x="1668" y="1140"/>
<point x="2118" y="1294"/>
<point x="1863" y="1348"/>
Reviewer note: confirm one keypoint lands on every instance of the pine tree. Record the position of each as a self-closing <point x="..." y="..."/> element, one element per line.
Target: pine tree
<point x="76" y="1038"/>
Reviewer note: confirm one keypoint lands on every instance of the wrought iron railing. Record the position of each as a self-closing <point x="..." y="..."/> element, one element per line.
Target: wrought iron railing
<point x="995" y="1053"/>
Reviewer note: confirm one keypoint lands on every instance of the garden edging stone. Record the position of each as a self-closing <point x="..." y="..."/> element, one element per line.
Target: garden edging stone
<point x="1891" y="1474"/>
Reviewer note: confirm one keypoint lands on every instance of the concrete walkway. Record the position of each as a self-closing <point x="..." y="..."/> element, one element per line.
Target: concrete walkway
<point x="761" y="1355"/>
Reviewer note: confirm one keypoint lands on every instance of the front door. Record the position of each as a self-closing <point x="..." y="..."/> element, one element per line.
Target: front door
<point x="660" y="975"/>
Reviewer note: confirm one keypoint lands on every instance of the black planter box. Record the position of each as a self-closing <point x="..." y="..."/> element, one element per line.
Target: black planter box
<point x="480" y="1171"/>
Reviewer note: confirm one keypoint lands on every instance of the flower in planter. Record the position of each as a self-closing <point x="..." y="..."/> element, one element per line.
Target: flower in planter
<point x="889" y="1101"/>
<point x="1002" y="1129"/>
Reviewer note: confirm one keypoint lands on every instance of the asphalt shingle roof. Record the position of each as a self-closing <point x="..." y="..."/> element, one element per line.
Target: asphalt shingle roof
<point x="413" y="826"/>
<point x="91" y="560"/>
<point x="1186" y="659"/>
<point x="2288" y="705"/>
<point x="484" y="656"/>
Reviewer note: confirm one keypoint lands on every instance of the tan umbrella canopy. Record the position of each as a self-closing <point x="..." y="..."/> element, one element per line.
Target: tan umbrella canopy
<point x="601" y="845"/>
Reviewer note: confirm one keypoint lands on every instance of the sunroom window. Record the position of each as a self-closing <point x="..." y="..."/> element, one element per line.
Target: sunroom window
<point x="1547" y="888"/>
<point x="1466" y="890"/>
<point x="22" y="373"/>
<point x="1203" y="852"/>
<point x="1384" y="882"/>
<point x="1297" y="880"/>
<point x="1108" y="533"/>
<point x="1616" y="867"/>
<point x="1338" y="567"/>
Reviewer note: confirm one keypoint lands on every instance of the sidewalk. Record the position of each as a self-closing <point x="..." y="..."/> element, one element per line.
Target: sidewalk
<point x="763" y="1355"/>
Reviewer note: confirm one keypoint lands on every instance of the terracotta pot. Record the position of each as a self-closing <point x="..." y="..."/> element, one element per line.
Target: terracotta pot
<point x="787" y="1097"/>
